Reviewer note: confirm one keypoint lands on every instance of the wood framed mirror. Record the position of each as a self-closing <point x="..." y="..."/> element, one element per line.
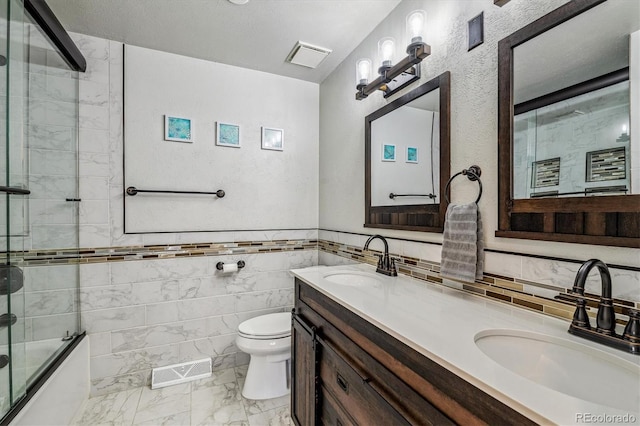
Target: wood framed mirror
<point x="407" y="159"/>
<point x="574" y="67"/>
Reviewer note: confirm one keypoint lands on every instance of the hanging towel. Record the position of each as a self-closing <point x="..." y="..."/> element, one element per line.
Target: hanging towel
<point x="462" y="246"/>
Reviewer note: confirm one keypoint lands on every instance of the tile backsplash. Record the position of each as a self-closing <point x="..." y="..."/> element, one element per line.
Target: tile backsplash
<point x="530" y="282"/>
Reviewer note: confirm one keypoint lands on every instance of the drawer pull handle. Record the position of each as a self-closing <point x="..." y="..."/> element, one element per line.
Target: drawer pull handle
<point x="344" y="385"/>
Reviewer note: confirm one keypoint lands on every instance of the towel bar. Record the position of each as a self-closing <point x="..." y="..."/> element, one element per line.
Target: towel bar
<point x="132" y="190"/>
<point x="473" y="174"/>
<point x="392" y="195"/>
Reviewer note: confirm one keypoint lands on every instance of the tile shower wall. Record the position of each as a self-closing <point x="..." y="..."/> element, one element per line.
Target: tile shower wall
<point x="52" y="137"/>
<point x="143" y="311"/>
<point x="46" y="97"/>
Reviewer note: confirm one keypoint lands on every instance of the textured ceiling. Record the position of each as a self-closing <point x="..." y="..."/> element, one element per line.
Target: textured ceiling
<point x="258" y="35"/>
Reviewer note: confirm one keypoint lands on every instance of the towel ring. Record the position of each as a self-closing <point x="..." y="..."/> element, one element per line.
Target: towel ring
<point x="473" y="174"/>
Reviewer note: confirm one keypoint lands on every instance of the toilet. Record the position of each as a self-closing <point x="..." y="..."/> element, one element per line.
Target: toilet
<point x="267" y="338"/>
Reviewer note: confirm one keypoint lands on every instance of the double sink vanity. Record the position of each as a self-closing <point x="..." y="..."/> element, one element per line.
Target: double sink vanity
<point x="374" y="349"/>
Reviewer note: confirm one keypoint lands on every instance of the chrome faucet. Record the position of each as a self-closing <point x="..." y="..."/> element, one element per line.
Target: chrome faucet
<point x="605" y="319"/>
<point x="386" y="264"/>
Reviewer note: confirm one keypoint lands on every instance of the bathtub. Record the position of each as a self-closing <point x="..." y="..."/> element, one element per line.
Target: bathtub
<point x="58" y="394"/>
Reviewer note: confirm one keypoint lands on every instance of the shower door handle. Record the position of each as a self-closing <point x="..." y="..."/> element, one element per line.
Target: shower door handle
<point x="14" y="190"/>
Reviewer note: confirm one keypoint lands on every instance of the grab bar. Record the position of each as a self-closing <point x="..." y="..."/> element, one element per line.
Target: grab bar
<point x="392" y="195"/>
<point x="473" y="174"/>
<point x="14" y="190"/>
<point x="132" y="190"/>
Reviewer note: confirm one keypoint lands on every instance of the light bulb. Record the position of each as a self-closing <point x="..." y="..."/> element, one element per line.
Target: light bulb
<point x="415" y="26"/>
<point x="624" y="128"/>
<point x="363" y="71"/>
<point x="386" y="50"/>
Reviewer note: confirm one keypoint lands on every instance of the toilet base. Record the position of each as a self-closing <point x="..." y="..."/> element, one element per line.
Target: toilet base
<point x="267" y="377"/>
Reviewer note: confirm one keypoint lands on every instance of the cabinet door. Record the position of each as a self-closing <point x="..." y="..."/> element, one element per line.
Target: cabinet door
<point x="352" y="390"/>
<point x="304" y="398"/>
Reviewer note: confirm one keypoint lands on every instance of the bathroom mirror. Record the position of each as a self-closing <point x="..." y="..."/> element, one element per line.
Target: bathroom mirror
<point x="407" y="159"/>
<point x="569" y="154"/>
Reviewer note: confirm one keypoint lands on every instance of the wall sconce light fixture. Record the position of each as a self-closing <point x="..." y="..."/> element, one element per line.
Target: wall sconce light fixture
<point x="395" y="77"/>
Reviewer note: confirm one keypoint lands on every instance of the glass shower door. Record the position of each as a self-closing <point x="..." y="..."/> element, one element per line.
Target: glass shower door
<point x="14" y="199"/>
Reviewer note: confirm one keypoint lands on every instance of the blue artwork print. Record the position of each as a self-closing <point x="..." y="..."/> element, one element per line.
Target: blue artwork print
<point x="412" y="154"/>
<point x="178" y="129"/>
<point x="388" y="152"/>
<point x="229" y="134"/>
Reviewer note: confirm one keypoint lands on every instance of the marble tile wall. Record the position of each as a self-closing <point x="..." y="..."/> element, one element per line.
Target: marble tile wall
<point x="150" y="313"/>
<point x="531" y="282"/>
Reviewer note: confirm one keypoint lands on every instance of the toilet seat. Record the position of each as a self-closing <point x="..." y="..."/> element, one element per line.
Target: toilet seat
<point x="266" y="327"/>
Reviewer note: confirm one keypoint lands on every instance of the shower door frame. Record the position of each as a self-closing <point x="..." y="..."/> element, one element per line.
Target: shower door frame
<point x="42" y="15"/>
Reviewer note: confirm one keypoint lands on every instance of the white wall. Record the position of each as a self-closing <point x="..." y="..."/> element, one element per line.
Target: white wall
<point x="264" y="189"/>
<point x="102" y="183"/>
<point x="474" y="104"/>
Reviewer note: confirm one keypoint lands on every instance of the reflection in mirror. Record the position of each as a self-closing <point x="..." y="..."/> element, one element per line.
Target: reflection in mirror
<point x="571" y="118"/>
<point x="405" y="154"/>
<point x="407" y="159"/>
<point x="569" y="144"/>
<point x="575" y="147"/>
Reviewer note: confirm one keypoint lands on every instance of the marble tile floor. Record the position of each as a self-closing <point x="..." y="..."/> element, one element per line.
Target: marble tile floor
<point x="212" y="401"/>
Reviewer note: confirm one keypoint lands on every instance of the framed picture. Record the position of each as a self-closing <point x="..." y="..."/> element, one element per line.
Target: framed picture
<point x="227" y="134"/>
<point x="388" y="152"/>
<point x="178" y="129"/>
<point x="272" y="139"/>
<point x="412" y="154"/>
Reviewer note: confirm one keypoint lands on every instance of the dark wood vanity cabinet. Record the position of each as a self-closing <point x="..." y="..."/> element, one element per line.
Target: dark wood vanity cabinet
<point x="346" y="371"/>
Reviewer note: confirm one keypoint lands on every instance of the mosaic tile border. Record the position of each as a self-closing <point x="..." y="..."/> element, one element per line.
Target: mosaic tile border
<point x="148" y="252"/>
<point x="495" y="287"/>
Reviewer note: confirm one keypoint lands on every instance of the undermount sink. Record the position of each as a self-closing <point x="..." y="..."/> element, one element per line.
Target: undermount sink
<point x="574" y="369"/>
<point x="353" y="279"/>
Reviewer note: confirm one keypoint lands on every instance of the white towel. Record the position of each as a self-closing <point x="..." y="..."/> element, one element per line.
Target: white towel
<point x="462" y="246"/>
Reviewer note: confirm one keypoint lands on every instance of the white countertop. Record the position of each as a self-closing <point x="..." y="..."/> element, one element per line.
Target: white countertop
<point x="441" y="323"/>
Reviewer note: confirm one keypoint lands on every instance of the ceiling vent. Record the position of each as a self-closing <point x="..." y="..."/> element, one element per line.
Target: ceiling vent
<point x="307" y="55"/>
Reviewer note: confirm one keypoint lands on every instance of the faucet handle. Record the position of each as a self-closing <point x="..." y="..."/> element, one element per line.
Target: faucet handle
<point x="392" y="267"/>
<point x="580" y="317"/>
<point x="632" y="330"/>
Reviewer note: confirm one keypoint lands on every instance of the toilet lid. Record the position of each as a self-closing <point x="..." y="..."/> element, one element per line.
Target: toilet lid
<point x="270" y="325"/>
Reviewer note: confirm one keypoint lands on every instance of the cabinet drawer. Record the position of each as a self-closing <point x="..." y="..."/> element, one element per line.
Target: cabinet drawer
<point x="353" y="392"/>
<point x="332" y="413"/>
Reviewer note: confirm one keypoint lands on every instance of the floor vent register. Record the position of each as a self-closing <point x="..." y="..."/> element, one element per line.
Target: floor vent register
<point x="180" y="373"/>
